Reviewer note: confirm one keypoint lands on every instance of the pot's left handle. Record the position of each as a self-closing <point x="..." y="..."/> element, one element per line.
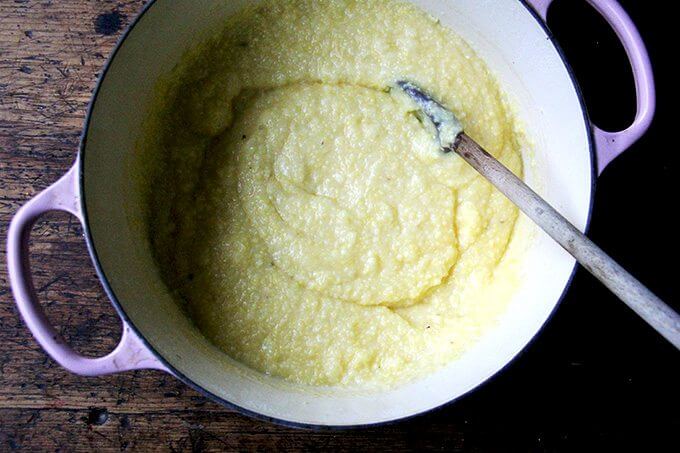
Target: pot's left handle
<point x="610" y="145"/>
<point x="130" y="354"/>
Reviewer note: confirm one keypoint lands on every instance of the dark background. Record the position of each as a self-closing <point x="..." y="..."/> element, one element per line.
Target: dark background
<point x="597" y="377"/>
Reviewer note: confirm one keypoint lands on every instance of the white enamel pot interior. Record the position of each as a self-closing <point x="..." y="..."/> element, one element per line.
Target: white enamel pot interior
<point x="512" y="41"/>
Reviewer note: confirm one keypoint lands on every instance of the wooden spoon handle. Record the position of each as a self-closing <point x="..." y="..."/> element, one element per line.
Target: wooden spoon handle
<point x="652" y="309"/>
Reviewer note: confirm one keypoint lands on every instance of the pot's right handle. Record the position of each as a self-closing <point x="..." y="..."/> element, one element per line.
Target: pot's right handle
<point x="130" y="354"/>
<point x="610" y="144"/>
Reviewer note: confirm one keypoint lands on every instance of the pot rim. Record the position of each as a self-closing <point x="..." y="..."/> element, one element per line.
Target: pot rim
<point x="281" y="421"/>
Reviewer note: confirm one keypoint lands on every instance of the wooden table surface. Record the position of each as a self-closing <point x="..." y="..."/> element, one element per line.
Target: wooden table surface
<point x="566" y="391"/>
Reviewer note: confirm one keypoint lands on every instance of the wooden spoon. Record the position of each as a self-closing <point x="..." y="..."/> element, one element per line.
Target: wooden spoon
<point x="633" y="293"/>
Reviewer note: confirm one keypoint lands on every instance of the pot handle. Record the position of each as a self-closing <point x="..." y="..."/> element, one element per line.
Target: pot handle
<point x="610" y="144"/>
<point x="130" y="354"/>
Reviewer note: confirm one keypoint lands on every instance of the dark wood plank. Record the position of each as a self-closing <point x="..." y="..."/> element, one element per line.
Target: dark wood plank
<point x="100" y="430"/>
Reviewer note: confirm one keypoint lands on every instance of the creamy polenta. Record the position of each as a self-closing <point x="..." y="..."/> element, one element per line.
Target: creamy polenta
<point x="303" y="214"/>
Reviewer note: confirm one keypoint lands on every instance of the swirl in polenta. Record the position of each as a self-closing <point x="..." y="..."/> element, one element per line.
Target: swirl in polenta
<point x="304" y="215"/>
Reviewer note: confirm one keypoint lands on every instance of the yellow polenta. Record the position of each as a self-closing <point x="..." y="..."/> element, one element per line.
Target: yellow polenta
<point x="305" y="216"/>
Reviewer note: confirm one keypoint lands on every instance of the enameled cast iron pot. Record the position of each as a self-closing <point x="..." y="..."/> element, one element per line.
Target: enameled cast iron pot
<point x="510" y="35"/>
